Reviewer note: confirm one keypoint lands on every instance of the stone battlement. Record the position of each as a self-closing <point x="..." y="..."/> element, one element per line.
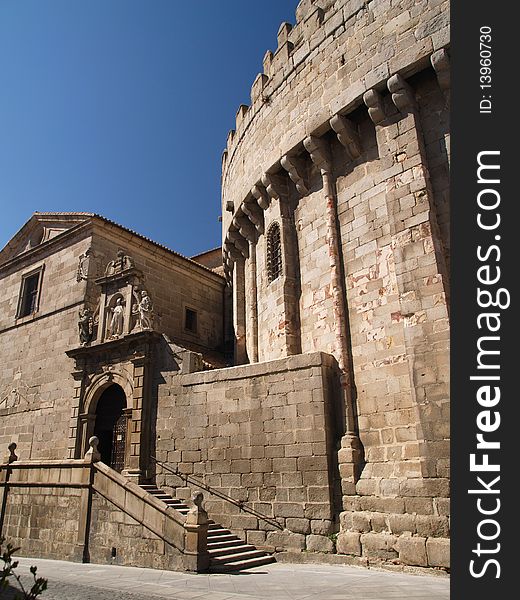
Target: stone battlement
<point x="323" y="66"/>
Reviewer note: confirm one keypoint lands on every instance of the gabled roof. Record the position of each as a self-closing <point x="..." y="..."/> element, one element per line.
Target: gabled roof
<point x="45" y="226"/>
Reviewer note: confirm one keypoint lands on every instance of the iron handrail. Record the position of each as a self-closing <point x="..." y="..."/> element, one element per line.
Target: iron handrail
<point x="239" y="503"/>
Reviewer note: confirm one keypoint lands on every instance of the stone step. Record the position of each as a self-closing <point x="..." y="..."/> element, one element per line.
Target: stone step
<point x="227" y="551"/>
<point x="230" y="550"/>
<point x="218" y="531"/>
<point x="238" y="556"/>
<point x="223" y="538"/>
<point x="242" y="564"/>
<point x="224" y="544"/>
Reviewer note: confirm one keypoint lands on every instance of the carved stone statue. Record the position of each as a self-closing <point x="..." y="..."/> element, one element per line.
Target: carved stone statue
<point x="116" y="323"/>
<point x="121" y="263"/>
<point x="145" y="311"/>
<point x="85" y="326"/>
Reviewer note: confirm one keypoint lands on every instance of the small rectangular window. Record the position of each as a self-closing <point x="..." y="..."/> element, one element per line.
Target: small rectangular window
<point x="190" y="322"/>
<point x="28" y="303"/>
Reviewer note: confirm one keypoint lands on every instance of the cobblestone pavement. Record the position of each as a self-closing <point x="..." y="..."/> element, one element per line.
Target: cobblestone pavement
<point x="72" y="581"/>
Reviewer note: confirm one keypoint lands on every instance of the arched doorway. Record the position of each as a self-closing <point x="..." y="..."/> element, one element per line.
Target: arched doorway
<point x="111" y="425"/>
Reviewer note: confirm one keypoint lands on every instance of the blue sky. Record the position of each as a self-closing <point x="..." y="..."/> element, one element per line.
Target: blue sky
<point x="122" y="107"/>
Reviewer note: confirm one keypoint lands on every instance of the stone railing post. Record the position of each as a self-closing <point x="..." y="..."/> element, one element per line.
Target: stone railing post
<point x="196" y="536"/>
<point x="92" y="455"/>
<point x="12" y="456"/>
<point x="85" y="508"/>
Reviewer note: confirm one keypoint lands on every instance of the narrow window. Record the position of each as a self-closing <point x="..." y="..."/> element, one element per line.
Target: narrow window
<point x="190" y="321"/>
<point x="29" y="297"/>
<point x="274" y="253"/>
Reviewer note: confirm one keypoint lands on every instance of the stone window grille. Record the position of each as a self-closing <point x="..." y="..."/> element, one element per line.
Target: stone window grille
<point x="190" y="320"/>
<point x="30" y="294"/>
<point x="274" y="252"/>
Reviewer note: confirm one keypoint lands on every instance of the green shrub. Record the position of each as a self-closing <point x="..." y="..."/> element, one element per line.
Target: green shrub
<point x="8" y="570"/>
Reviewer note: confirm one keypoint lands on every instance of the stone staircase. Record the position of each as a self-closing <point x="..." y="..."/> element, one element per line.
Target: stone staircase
<point x="227" y="551"/>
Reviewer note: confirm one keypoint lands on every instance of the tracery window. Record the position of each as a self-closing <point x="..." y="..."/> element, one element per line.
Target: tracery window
<point x="274" y="252"/>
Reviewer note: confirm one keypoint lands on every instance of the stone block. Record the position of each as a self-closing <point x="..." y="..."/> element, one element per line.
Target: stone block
<point x="432" y="526"/>
<point x="298" y="525"/>
<point x="321" y="526"/>
<point x="283" y="540"/>
<point x="400" y="524"/>
<point x="319" y="543"/>
<point x="412" y="550"/>
<point x="438" y="552"/>
<point x="361" y="522"/>
<point x="379" y="545"/>
<point x="349" y="543"/>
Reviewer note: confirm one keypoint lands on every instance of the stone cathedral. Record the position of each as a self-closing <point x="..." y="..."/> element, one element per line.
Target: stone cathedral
<point x="286" y="396"/>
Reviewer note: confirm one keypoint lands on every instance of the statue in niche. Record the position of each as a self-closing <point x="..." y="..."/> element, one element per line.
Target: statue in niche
<point x="85" y="326"/>
<point x="145" y="311"/>
<point x="116" y="322"/>
<point x="121" y="263"/>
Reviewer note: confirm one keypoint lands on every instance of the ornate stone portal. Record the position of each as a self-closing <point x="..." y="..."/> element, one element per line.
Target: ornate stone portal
<point x="117" y="344"/>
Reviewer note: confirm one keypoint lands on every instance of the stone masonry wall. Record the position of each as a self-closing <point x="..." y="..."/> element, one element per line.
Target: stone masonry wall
<point x="35" y="381"/>
<point x="43" y="522"/>
<point x="261" y="434"/>
<point x="134" y="545"/>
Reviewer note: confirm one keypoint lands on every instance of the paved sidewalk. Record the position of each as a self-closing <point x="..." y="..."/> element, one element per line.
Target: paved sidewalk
<point x="281" y="581"/>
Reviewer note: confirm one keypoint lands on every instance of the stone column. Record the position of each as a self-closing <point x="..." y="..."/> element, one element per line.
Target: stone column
<point x="248" y="232"/>
<point x="239" y="311"/>
<point x="134" y="457"/>
<point x="252" y="304"/>
<point x="74" y="442"/>
<point x="350" y="454"/>
<point x="129" y="298"/>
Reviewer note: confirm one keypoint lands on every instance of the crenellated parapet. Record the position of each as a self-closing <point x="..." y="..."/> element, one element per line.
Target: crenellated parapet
<point x="337" y="57"/>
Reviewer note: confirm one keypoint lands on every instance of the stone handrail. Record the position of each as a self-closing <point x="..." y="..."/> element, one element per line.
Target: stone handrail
<point x="187" y="534"/>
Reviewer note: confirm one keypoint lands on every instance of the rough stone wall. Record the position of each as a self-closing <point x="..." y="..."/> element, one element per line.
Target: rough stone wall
<point x="262" y="434"/>
<point x="317" y="326"/>
<point x="35" y="381"/>
<point x="134" y="545"/>
<point x="43" y="521"/>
